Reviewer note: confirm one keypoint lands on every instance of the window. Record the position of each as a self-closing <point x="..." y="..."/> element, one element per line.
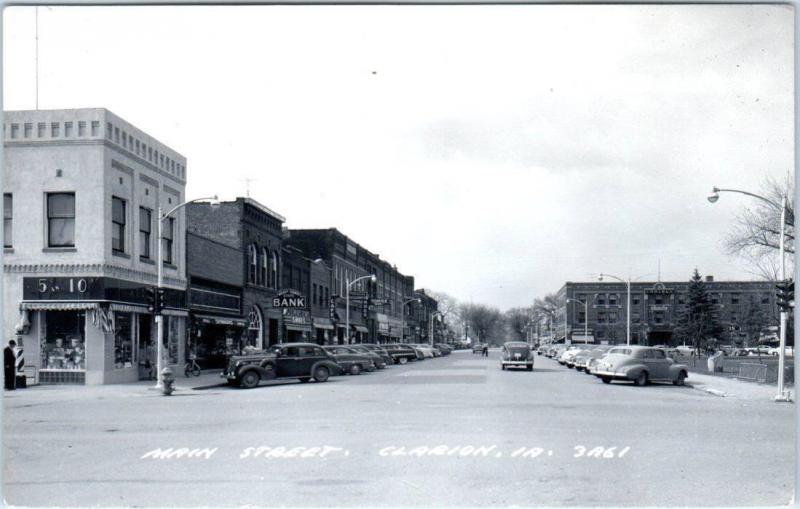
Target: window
<point x="28" y="130"/>
<point x="123" y="340"/>
<point x="167" y="236"/>
<point x="67" y="129"/>
<point x="118" y="224"/>
<point x="601" y="317"/>
<point x="252" y="263"/>
<point x="14" y="131"/>
<point x="601" y="300"/>
<point x="116" y="134"/>
<point x="61" y="220"/>
<point x="634" y="300"/>
<point x="734" y="317"/>
<point x="612" y="317"/>
<point x="41" y="127"/>
<point x="7" y="216"/>
<point x="109" y="130"/>
<point x="581" y="317"/>
<point x="95" y="128"/>
<point x="658" y="317"/>
<point x="734" y="298"/>
<point x="765" y="299"/>
<point x="635" y="317"/>
<point x="612" y="300"/>
<point x="659" y="299"/>
<point x="81" y="128"/>
<point x="314" y="293"/>
<point x="55" y="129"/>
<point x="274" y="270"/>
<point x="145" y="228"/>
<point x="149" y="153"/>
<point x="124" y="139"/>
<point x="262" y="277"/>
<point x="62" y="345"/>
<point x="137" y="147"/>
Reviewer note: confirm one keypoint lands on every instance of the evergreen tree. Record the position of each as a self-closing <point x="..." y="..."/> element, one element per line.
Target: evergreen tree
<point x="698" y="320"/>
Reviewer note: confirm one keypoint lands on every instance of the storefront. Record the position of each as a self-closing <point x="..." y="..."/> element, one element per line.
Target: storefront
<point x="323" y="331"/>
<point x="383" y="329"/>
<point x="297" y="325"/>
<point x="215" y="337"/>
<point x="79" y="331"/>
<point x="359" y="334"/>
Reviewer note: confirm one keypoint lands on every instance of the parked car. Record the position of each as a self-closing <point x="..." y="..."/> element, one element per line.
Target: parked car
<point x="375" y="357"/>
<point x="479" y="347"/>
<point x="387" y="359"/>
<point x="685" y="350"/>
<point x="569" y="356"/>
<point x="641" y="364"/>
<point x="303" y="361"/>
<point x="444" y="348"/>
<point x="542" y="349"/>
<point x="586" y="358"/>
<point x="427" y="350"/>
<point x="401" y="353"/>
<point x="776" y="351"/>
<point x="351" y="361"/>
<point x="516" y="354"/>
<point x="555" y="351"/>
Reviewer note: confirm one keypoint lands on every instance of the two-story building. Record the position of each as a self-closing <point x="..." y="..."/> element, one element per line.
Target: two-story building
<point x="82" y="191"/>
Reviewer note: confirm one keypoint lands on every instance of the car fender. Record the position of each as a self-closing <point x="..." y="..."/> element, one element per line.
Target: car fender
<point x="632" y="371"/>
<point x="675" y="369"/>
<point x="264" y="374"/>
<point x="334" y="367"/>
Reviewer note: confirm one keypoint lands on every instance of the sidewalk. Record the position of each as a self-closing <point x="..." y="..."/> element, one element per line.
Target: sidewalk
<point x="733" y="388"/>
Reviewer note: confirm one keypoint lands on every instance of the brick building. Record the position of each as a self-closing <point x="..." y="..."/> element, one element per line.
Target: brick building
<point x="421" y="315"/>
<point x="82" y="191"/>
<point x="655" y="307"/>
<point x="381" y="319"/>
<point x="255" y="232"/>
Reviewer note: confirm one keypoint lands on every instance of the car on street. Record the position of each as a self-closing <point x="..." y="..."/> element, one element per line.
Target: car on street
<point x="582" y="358"/>
<point x="685" y="350"/>
<point x="351" y="361"/>
<point x="640" y="364"/>
<point x="303" y="361"/>
<point x="569" y="356"/>
<point x="401" y="353"/>
<point x="516" y="354"/>
<point x="776" y="351"/>
<point x="542" y="349"/>
<point x="479" y="347"/>
<point x="427" y="350"/>
<point x="375" y="357"/>
<point x="380" y="350"/>
<point x="444" y="348"/>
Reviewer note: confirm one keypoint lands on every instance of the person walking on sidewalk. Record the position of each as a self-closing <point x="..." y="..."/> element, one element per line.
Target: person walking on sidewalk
<point x="486" y="350"/>
<point x="9" y="366"/>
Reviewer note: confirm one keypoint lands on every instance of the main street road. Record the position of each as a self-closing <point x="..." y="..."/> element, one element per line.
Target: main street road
<point x="510" y="438"/>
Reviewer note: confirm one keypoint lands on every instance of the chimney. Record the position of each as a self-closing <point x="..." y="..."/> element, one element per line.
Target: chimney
<point x="709" y="279"/>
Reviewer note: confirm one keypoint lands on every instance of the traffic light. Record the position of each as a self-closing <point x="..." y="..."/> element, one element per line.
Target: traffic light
<point x="161" y="300"/>
<point x="785" y="295"/>
<point x="150" y="295"/>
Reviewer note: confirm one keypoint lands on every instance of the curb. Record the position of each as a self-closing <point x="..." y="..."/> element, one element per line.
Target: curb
<point x="709" y="390"/>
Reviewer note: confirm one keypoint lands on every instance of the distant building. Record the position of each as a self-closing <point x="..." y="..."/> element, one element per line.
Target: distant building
<point x="82" y="190"/>
<point x="655" y="308"/>
<point x="421" y="316"/>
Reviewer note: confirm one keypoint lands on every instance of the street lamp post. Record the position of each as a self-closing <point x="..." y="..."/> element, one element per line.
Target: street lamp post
<point x="214" y="202"/>
<point x="585" y="317"/>
<point x="435" y="313"/>
<point x="784" y="317"/>
<point x="403" y="317"/>
<point x="628" y="310"/>
<point x="348" y="284"/>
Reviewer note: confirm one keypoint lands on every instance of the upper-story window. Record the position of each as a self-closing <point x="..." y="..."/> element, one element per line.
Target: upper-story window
<point x="7" y="219"/>
<point x="600" y="299"/>
<point x="14" y="131"/>
<point x="28" y="130"/>
<point x="734" y="298"/>
<point x="55" y="130"/>
<point x="117" y="224"/>
<point x="252" y="263"/>
<point x="81" y="128"/>
<point x="95" y="128"/>
<point x="263" y="267"/>
<point x="145" y="229"/>
<point x="612" y="300"/>
<point x="109" y="130"/>
<point x="67" y="129"/>
<point x="41" y="129"/>
<point x="61" y="220"/>
<point x="167" y="238"/>
<point x="274" y="269"/>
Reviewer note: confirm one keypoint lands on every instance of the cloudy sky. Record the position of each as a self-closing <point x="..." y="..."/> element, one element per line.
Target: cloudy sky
<point x="493" y="152"/>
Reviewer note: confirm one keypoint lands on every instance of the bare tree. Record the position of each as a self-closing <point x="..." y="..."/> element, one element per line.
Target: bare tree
<point x="547" y="307"/>
<point x="517" y="321"/>
<point x="483" y="320"/>
<point x="756" y="235"/>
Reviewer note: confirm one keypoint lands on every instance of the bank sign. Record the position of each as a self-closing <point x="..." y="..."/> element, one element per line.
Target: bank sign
<point x="289" y="299"/>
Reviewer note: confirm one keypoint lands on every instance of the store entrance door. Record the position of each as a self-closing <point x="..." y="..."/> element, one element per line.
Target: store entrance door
<point x="146" y="352"/>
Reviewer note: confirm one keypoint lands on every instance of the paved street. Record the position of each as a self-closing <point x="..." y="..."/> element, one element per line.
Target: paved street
<point x="510" y="438"/>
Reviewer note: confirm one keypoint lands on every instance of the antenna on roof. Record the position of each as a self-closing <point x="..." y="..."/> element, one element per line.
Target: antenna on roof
<point x="247" y="182"/>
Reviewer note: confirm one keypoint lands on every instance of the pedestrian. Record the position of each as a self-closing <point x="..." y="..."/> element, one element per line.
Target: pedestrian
<point x="9" y="366"/>
<point x="486" y="350"/>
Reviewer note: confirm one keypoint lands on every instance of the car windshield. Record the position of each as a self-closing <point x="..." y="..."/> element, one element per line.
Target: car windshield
<point x="620" y="351"/>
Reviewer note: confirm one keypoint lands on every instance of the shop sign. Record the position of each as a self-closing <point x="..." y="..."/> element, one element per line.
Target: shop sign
<point x="365" y="308"/>
<point x="358" y="295"/>
<point x="289" y="299"/>
<point x="379" y="302"/>
<point x="62" y="288"/>
<point x="332" y="308"/>
<point x="297" y="316"/>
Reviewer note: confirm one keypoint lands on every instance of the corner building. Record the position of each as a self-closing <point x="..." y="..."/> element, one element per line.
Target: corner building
<point x="82" y="190"/>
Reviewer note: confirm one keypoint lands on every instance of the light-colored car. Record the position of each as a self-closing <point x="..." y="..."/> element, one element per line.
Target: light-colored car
<point x="640" y="364"/>
<point x="569" y="356"/>
<point x="777" y="351"/>
<point x="426" y="350"/>
<point x="584" y="357"/>
<point x="516" y="354"/>
<point x="685" y="349"/>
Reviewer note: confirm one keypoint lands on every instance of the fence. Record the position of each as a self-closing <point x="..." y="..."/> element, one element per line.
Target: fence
<point x="753" y="371"/>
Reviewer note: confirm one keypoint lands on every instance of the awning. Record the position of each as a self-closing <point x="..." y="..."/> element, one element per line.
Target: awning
<point x="360" y="328"/>
<point x="49" y="305"/>
<point x="221" y="320"/>
<point x="298" y="327"/>
<point x="175" y="312"/>
<point x="323" y="323"/>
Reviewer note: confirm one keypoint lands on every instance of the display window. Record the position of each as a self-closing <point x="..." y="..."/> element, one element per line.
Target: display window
<point x="123" y="340"/>
<point x="63" y="346"/>
<point x="172" y="336"/>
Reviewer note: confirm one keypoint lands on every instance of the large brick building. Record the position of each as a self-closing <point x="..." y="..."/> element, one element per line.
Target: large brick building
<point x="81" y="195"/>
<point x="655" y="307"/>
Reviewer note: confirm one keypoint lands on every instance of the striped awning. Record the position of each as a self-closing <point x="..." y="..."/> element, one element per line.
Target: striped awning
<point x="221" y="320"/>
<point x="49" y="305"/>
<point x="360" y="328"/>
<point x="128" y="308"/>
<point x="298" y="327"/>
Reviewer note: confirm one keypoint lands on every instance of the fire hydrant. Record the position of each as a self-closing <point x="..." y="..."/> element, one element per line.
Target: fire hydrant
<point x="167" y="381"/>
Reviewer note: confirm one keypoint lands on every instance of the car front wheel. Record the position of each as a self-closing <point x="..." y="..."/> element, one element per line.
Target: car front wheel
<point x="641" y="380"/>
<point x="606" y="380"/>
<point x="681" y="378"/>
<point x="250" y="380"/>
<point x="402" y="360"/>
<point x="321" y="374"/>
<point x="530" y="368"/>
<point x="355" y="369"/>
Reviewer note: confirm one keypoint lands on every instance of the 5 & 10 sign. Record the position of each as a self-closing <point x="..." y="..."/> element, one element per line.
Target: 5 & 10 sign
<point x="51" y="288"/>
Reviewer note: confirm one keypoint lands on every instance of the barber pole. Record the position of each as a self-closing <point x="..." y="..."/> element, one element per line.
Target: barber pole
<point x="20" y="362"/>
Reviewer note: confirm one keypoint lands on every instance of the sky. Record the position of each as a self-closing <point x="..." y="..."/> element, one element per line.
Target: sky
<point x="492" y="152"/>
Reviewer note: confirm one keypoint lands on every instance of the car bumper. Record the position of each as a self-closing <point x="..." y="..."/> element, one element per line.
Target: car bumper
<point x="516" y="363"/>
<point x="610" y="374"/>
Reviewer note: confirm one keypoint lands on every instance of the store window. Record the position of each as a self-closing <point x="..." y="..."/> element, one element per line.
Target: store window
<point x="172" y="336"/>
<point x="123" y="340"/>
<point x="63" y="340"/>
<point x="166" y="239"/>
<point x="7" y="219"/>
<point x="118" y="224"/>
<point x="145" y="228"/>
<point x="61" y="220"/>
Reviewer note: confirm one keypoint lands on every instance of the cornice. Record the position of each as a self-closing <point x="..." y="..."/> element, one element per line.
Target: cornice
<point x="92" y="269"/>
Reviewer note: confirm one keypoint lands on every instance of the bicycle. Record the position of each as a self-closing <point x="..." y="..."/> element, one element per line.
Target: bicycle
<point x="191" y="367"/>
